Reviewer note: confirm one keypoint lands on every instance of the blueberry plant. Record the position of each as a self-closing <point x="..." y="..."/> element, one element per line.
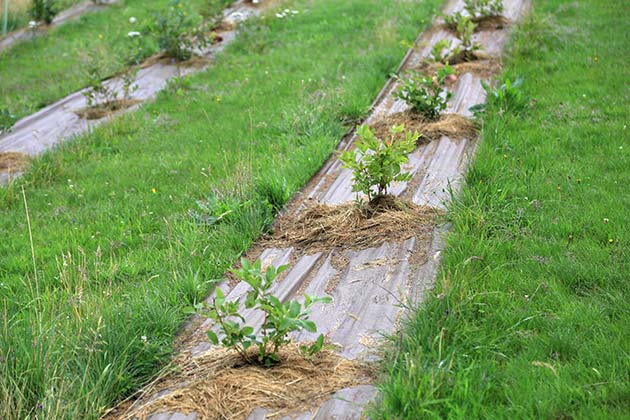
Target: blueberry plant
<point x="178" y="31"/>
<point x="99" y="92"/>
<point x="44" y="10"/>
<point x="376" y="163"/>
<point x="481" y="9"/>
<point x="281" y="318"/>
<point x="476" y="10"/>
<point x="427" y="95"/>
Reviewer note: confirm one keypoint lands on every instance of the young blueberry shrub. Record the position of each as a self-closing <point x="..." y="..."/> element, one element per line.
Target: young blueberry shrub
<point x="179" y="31"/>
<point x="476" y="10"/>
<point x="44" y="10"/>
<point x="427" y="95"/>
<point x="280" y="318"/>
<point x="101" y="93"/>
<point x="483" y="9"/>
<point x="212" y="11"/>
<point x="466" y="50"/>
<point x="376" y="163"/>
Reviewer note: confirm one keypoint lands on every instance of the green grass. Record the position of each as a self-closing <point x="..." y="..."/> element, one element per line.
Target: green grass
<point x="118" y="252"/>
<point x="41" y="71"/>
<point x="530" y="318"/>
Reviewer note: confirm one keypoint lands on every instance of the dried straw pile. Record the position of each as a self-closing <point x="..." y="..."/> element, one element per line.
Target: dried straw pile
<point x="13" y="161"/>
<point x="219" y="385"/>
<point x="322" y="227"/>
<point x="453" y="126"/>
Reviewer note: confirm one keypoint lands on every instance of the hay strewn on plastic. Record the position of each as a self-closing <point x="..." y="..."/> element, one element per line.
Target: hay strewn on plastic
<point x="483" y="67"/>
<point x="103" y="110"/>
<point x="453" y="126"/>
<point x="219" y="385"/>
<point x="13" y="161"/>
<point x="322" y="227"/>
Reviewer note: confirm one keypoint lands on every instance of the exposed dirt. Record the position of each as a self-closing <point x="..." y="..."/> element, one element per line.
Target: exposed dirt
<point x="99" y="111"/>
<point x="452" y="125"/>
<point x="13" y="162"/>
<point x="220" y="385"/>
<point x="322" y="227"/>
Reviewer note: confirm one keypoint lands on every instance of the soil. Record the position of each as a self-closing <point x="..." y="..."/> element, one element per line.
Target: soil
<point x="13" y="162"/>
<point x="453" y="126"/>
<point x="99" y="111"/>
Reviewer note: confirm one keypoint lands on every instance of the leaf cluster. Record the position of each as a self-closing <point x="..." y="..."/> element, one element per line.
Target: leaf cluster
<point x="376" y="163"/>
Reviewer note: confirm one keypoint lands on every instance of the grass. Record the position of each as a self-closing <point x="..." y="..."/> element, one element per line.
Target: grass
<point x="530" y="316"/>
<point x="123" y="219"/>
<point x="52" y="66"/>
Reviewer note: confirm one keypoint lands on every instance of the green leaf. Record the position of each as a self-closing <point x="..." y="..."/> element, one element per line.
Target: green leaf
<point x="309" y="326"/>
<point x="212" y="336"/>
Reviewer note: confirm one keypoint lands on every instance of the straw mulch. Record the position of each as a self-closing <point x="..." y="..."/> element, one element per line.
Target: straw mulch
<point x="483" y="66"/>
<point x="453" y="126"/>
<point x="99" y="111"/>
<point x="348" y="226"/>
<point x="220" y="385"/>
<point x="13" y="161"/>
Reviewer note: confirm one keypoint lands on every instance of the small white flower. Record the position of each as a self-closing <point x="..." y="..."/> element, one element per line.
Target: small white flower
<point x="32" y="24"/>
<point x="133" y="34"/>
<point x="132" y="19"/>
<point x="144" y="338"/>
<point x="279" y="15"/>
<point x="295" y="12"/>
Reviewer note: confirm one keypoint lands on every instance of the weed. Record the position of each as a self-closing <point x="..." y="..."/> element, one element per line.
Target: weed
<point x="44" y="10"/>
<point x="179" y="31"/>
<point x="376" y="163"/>
<point x="507" y="97"/>
<point x="7" y="119"/>
<point x="425" y="94"/>
<point x="280" y="318"/>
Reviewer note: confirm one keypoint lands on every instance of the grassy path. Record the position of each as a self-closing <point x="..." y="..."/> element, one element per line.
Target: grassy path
<point x="530" y="317"/>
<point x="120" y="244"/>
